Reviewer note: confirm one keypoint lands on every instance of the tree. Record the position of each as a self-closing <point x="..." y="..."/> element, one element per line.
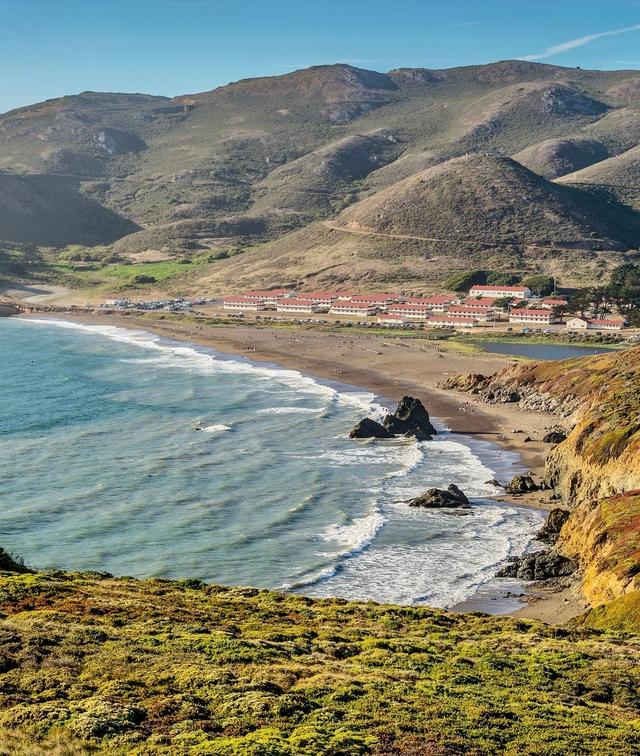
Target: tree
<point x="540" y="284"/>
<point x="624" y="291"/>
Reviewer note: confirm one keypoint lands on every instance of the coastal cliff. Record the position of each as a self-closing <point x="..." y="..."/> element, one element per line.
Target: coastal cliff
<point x="595" y="471"/>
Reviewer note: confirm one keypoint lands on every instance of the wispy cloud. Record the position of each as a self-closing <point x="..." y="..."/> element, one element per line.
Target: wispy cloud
<point x="579" y="42"/>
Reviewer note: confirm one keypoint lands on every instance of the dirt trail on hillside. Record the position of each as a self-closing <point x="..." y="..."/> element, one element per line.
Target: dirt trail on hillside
<point x="334" y="226"/>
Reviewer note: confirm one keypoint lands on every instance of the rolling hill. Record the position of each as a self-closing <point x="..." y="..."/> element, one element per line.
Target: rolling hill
<point x="254" y="163"/>
<point x="494" y="200"/>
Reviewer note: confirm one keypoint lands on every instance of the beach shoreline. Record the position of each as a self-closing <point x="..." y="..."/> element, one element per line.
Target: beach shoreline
<point x="389" y="368"/>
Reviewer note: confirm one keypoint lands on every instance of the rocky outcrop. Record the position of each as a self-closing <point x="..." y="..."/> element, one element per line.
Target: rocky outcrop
<point x="369" y="428"/>
<point x="605" y="537"/>
<point x="521" y="484"/>
<point x="419" y="434"/>
<point x="8" y="310"/>
<point x="515" y="385"/>
<point x="473" y="383"/>
<point x="550" y="531"/>
<point x="593" y="468"/>
<point x="541" y="565"/>
<point x="9" y="563"/>
<point x="436" y="498"/>
<point x="410" y="417"/>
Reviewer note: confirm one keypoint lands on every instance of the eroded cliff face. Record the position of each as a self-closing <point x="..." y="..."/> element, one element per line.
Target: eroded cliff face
<point x="596" y="470"/>
<point x="605" y="539"/>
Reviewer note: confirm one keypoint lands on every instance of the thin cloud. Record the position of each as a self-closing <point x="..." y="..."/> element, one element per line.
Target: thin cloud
<point x="579" y="42"/>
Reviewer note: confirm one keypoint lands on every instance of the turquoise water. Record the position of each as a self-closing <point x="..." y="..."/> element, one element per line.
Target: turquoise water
<point x="124" y="452"/>
<point x="541" y="351"/>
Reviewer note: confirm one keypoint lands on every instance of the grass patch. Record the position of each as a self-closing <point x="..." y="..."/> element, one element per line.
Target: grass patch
<point x="182" y="667"/>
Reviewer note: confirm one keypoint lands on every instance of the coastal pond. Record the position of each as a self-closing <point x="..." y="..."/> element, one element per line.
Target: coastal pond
<point x="541" y="351"/>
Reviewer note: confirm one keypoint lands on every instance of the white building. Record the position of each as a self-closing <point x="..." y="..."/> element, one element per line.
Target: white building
<point x="450" y="321"/>
<point x="593" y="324"/>
<point x="352" y="308"/>
<point x="397" y="321"/>
<point x="320" y="298"/>
<point x="243" y="304"/>
<point x="480" y="303"/>
<point x="537" y="317"/>
<point x="552" y="303"/>
<point x="438" y="303"/>
<point x="381" y="301"/>
<point x="300" y="306"/>
<point x="410" y="311"/>
<point x="500" y="292"/>
<point x="270" y="297"/>
<point x="472" y="313"/>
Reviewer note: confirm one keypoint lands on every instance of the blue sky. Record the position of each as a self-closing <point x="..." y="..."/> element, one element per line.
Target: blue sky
<point x="53" y="47"/>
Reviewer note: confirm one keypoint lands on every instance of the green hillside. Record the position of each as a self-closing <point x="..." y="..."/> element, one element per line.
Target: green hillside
<point x="95" y="664"/>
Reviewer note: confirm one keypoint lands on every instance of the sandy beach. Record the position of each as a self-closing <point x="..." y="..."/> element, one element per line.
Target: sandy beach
<point x="390" y="367"/>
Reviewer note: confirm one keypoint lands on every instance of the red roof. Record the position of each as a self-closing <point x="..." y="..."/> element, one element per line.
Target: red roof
<point x="240" y="300"/>
<point x="410" y="307"/>
<point x="470" y="310"/>
<point x="607" y="321"/>
<point x="480" y="302"/>
<point x="440" y="299"/>
<point x="290" y="301"/>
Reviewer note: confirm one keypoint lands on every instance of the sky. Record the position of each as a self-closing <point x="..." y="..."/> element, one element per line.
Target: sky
<point x="49" y="48"/>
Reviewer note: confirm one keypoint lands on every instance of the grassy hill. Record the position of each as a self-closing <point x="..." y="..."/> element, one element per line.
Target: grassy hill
<point x="49" y="210"/>
<point x="482" y="198"/>
<point x="96" y="664"/>
<point x="256" y="159"/>
<point x="617" y="177"/>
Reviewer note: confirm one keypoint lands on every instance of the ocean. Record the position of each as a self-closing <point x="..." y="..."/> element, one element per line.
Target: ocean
<point x="124" y="452"/>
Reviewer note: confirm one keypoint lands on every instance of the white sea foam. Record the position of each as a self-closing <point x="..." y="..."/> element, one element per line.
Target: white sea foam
<point x="357" y="535"/>
<point x="289" y="411"/>
<point x="196" y="359"/>
<point x="216" y="428"/>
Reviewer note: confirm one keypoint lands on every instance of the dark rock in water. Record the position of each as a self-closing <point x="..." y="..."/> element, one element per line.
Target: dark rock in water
<point x="541" y="565"/>
<point x="550" y="531"/>
<point x="493" y="482"/>
<point x="410" y="415"/>
<point x="419" y="434"/>
<point x="369" y="428"/>
<point x="460" y="495"/>
<point x="521" y="484"/>
<point x="554" y="437"/>
<point x="436" y="498"/>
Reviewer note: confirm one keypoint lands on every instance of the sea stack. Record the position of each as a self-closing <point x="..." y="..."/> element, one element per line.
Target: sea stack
<point x="410" y="419"/>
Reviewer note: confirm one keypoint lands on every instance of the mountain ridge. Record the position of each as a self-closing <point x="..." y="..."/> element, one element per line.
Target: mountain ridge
<point x="275" y="154"/>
